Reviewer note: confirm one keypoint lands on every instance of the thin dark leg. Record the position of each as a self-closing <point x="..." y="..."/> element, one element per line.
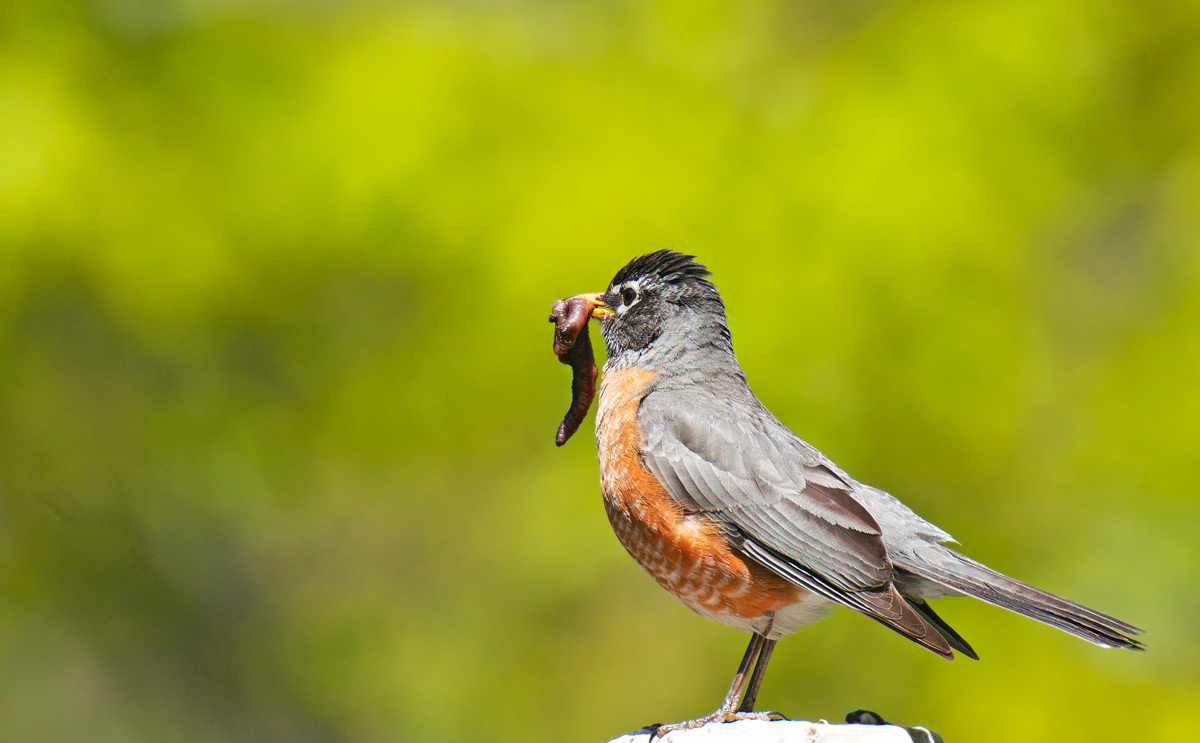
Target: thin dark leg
<point x="739" y="678"/>
<point x="729" y="708"/>
<point x="760" y="670"/>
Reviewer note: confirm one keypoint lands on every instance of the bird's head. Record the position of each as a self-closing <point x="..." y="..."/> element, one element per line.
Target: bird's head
<point x="658" y="306"/>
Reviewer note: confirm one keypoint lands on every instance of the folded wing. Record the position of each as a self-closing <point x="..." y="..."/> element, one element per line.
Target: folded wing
<point x="780" y="502"/>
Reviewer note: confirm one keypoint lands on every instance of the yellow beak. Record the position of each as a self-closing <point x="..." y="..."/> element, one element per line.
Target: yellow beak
<point x="600" y="309"/>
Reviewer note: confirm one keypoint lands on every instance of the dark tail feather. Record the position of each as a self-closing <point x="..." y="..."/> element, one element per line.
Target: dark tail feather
<point x="892" y="610"/>
<point x="956" y="640"/>
<point x="952" y="570"/>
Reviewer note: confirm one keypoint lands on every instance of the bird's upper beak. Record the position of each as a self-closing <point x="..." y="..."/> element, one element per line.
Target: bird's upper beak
<point x="599" y="308"/>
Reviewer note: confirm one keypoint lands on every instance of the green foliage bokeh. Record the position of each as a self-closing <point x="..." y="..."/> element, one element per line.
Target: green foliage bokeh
<point x="277" y="399"/>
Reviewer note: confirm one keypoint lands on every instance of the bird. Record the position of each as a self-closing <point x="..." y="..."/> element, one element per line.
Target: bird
<point x="743" y="521"/>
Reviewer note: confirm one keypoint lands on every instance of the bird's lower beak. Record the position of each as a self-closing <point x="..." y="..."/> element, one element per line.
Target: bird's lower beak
<point x="599" y="308"/>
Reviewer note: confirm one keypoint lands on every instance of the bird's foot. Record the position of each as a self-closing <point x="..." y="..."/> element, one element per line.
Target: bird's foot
<point x="719" y="716"/>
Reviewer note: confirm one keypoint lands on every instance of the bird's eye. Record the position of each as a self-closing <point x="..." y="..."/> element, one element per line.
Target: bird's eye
<point x="629" y="295"/>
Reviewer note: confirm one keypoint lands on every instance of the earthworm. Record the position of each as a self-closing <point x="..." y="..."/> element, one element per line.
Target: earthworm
<point x="573" y="346"/>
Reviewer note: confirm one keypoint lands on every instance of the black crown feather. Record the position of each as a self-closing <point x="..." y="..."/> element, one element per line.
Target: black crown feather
<point x="666" y="264"/>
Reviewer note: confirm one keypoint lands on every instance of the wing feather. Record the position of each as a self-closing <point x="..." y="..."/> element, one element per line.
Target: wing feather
<point x="760" y="477"/>
<point x="780" y="502"/>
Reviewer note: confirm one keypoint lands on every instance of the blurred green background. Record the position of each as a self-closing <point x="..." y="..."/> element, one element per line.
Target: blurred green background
<point x="277" y="399"/>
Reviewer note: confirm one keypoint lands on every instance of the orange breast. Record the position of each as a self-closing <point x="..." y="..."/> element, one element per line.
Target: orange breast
<point x="686" y="553"/>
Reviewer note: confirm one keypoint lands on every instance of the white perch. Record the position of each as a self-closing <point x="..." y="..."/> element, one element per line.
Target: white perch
<point x="789" y="731"/>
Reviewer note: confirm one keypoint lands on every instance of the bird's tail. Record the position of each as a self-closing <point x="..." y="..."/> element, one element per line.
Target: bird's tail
<point x="949" y="569"/>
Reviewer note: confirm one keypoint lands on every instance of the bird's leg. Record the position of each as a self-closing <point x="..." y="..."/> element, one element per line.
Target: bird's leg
<point x="739" y="679"/>
<point x="729" y="710"/>
<point x="760" y="670"/>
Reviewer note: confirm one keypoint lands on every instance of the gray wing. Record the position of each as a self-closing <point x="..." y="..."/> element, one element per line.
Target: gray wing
<point x="781" y="503"/>
<point x="780" y="500"/>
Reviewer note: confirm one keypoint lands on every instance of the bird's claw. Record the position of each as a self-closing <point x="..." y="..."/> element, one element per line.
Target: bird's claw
<point x="719" y="716"/>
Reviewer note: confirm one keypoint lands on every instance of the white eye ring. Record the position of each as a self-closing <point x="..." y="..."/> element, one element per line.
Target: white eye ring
<point x="628" y="294"/>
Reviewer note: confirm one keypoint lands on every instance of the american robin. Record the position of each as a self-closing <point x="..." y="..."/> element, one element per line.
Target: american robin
<point x="743" y="521"/>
